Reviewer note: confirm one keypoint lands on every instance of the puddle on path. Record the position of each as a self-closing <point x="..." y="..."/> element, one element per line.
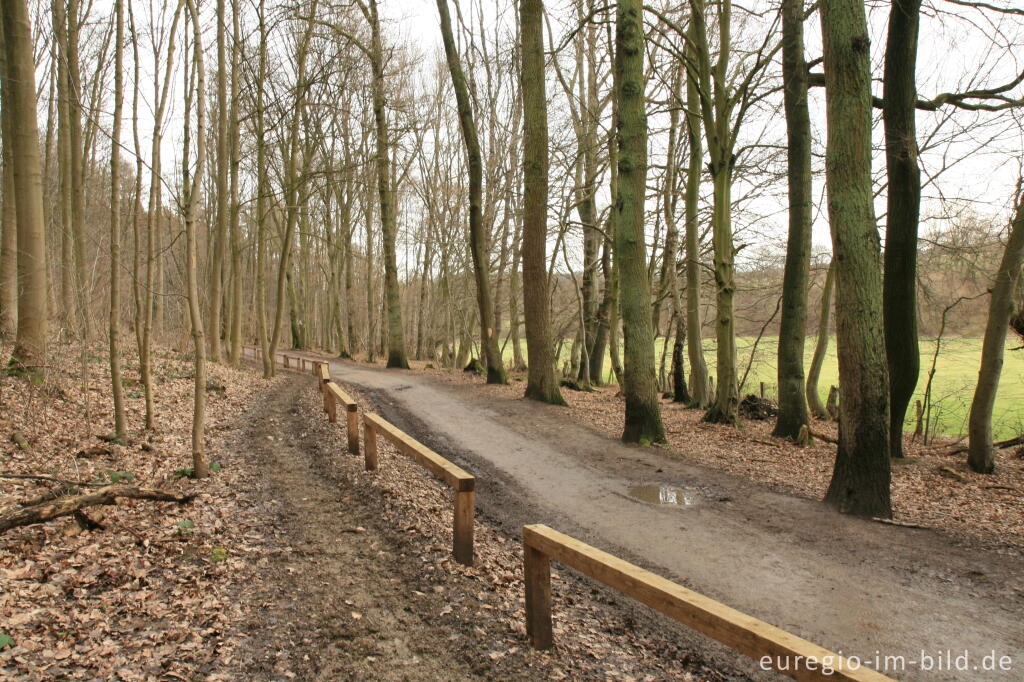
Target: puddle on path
<point x="665" y="494"/>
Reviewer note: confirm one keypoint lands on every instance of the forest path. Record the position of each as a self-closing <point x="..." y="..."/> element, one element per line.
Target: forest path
<point x="857" y="587"/>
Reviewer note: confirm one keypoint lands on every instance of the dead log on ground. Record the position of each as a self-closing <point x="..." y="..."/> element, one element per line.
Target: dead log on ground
<point x="66" y="506"/>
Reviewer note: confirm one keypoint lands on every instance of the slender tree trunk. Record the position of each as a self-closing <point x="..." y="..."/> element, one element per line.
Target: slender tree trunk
<point x="716" y="111"/>
<point x="793" y="414"/>
<point x="700" y="385"/>
<point x="680" y="391"/>
<point x="120" y="428"/>
<point x="541" y="384"/>
<point x="981" y="457"/>
<point x="821" y="347"/>
<point x="477" y="232"/>
<point x="216" y="269"/>
<point x="19" y="98"/>
<point x="389" y="228"/>
<point x="860" y="481"/>
<point x="899" y="293"/>
<point x="235" y="322"/>
<point x="268" y="351"/>
<point x="200" y="468"/>
<point x="67" y="259"/>
<point x="78" y="169"/>
<point x="643" y="413"/>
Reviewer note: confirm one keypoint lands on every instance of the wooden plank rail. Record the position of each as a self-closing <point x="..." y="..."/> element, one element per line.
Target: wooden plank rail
<point x="336" y="396"/>
<point x="459" y="480"/>
<point x="772" y="647"/>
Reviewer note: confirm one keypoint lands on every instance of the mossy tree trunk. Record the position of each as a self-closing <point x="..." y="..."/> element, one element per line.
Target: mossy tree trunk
<point x="861" y="478"/>
<point x="980" y="455"/>
<point x="821" y="347"/>
<point x="899" y="293"/>
<point x="541" y="384"/>
<point x="643" y="412"/>
<point x="716" y="105"/>
<point x="477" y="231"/>
<point x="700" y="385"/>
<point x="793" y="415"/>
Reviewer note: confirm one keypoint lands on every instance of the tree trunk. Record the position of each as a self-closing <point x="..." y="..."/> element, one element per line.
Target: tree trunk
<point x="899" y="293"/>
<point x="9" y="219"/>
<point x="477" y="232"/>
<point x="700" y="385"/>
<point x="793" y="416"/>
<point x="216" y="269"/>
<point x="541" y="384"/>
<point x="120" y="428"/>
<point x="19" y="97"/>
<point x="235" y="322"/>
<point x="78" y="169"/>
<point x="200" y="468"/>
<point x="860" y="481"/>
<point x="980" y="456"/>
<point x="643" y="412"/>
<point x="821" y="347"/>
<point x="389" y="228"/>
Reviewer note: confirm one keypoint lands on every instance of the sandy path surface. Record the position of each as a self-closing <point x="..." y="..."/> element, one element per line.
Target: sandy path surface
<point x="857" y="587"/>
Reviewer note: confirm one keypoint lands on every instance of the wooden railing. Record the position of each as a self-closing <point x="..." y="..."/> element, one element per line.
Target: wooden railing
<point x="336" y="396"/>
<point x="773" y="648"/>
<point x="459" y="480"/>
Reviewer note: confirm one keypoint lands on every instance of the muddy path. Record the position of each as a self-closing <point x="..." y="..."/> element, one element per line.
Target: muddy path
<point x="857" y="587"/>
<point x="353" y="578"/>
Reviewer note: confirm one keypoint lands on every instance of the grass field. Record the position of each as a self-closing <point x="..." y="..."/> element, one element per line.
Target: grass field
<point x="956" y="373"/>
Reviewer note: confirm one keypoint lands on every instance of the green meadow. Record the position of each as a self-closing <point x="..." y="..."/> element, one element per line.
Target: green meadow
<point x="956" y="373"/>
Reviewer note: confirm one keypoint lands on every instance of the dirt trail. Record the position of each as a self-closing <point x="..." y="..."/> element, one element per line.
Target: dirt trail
<point x="351" y="576"/>
<point x="857" y="587"/>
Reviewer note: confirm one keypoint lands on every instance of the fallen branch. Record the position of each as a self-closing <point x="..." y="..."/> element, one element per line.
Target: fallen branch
<point x="66" y="506"/>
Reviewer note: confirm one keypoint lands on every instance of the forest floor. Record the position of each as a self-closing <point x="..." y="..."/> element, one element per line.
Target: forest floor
<point x="756" y="538"/>
<point x="292" y="562"/>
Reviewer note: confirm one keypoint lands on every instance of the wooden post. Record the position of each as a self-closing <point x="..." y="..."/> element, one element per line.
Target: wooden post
<point x="462" y="542"/>
<point x="370" y="445"/>
<point x="332" y="407"/>
<point x="537" y="575"/>
<point x="285" y="360"/>
<point x="762" y="390"/>
<point x="352" y="429"/>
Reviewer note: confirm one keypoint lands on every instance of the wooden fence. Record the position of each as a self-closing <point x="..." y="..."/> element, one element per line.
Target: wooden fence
<point x="771" y="647"/>
<point x="336" y="396"/>
<point x="459" y="480"/>
<point x="774" y="648"/>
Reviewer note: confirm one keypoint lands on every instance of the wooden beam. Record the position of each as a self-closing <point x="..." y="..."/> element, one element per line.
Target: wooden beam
<point x="772" y="647"/>
<point x="332" y="406"/>
<point x="342" y="397"/>
<point x="370" y="445"/>
<point x="336" y="395"/>
<point x="459" y="479"/>
<point x="465" y="510"/>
